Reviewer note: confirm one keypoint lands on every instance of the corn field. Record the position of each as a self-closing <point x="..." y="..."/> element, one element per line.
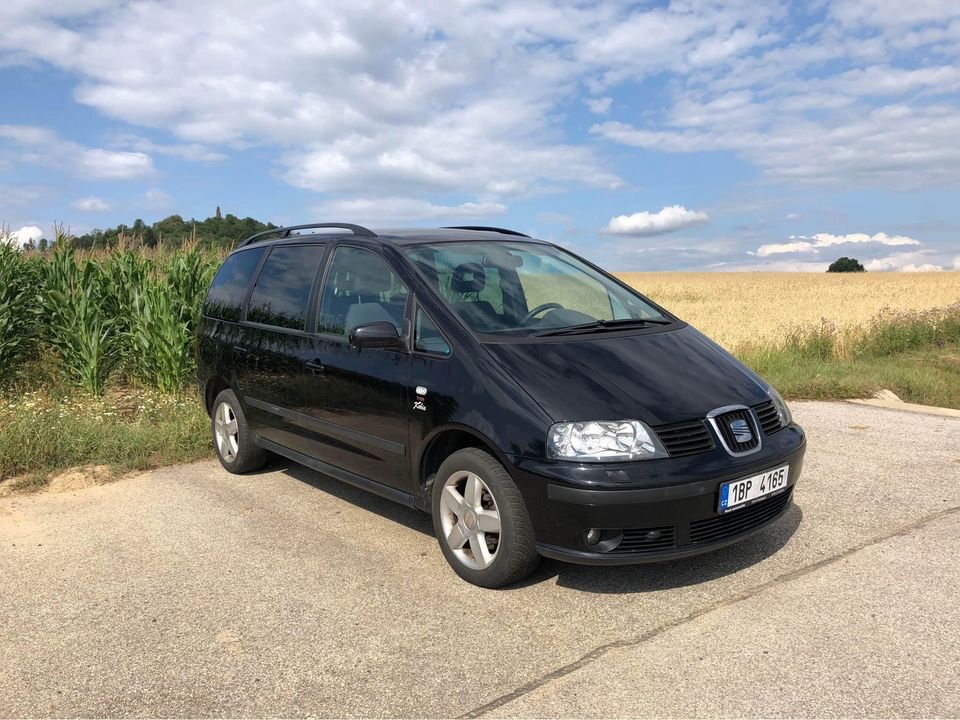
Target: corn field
<point x="126" y="313"/>
<point x="131" y="314"/>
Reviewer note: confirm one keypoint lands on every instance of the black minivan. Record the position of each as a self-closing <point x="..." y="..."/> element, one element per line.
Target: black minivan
<point x="534" y="404"/>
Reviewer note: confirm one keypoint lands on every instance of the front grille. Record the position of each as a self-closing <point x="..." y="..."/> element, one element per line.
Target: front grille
<point x="768" y="416"/>
<point x="723" y="425"/>
<point x="686" y="438"/>
<point x="642" y="540"/>
<point x="738" y="521"/>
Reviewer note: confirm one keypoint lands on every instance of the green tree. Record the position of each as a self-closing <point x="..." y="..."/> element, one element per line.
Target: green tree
<point x="174" y="231"/>
<point x="846" y="264"/>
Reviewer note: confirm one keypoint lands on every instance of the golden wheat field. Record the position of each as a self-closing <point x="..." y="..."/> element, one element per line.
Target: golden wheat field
<point x="743" y="309"/>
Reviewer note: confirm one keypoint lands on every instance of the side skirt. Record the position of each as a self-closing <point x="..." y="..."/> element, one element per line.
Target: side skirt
<point x="399" y="496"/>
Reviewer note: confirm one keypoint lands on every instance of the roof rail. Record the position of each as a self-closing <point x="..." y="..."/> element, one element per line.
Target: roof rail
<point x="285" y="231"/>
<point x="502" y="231"/>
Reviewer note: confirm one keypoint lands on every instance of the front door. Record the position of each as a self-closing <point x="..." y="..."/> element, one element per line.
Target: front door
<point x="360" y="398"/>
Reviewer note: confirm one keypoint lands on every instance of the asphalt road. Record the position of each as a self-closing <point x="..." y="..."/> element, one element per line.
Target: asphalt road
<point x="189" y="592"/>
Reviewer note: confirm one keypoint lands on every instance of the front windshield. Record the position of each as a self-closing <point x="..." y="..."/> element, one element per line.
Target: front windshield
<point x="517" y="288"/>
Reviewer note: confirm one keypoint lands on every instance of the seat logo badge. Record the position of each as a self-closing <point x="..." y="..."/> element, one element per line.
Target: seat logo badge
<point x="741" y="431"/>
<point x="421" y="403"/>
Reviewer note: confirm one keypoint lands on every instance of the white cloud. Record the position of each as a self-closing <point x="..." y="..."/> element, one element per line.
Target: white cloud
<point x="956" y="263"/>
<point x="37" y="145"/>
<point x="388" y="99"/>
<point x="903" y="146"/>
<point x="156" y="199"/>
<point x="894" y="14"/>
<point x="925" y="267"/>
<point x="19" y="238"/>
<point x="773" y="266"/>
<point x="598" y="106"/>
<point x="90" y="204"/>
<point x="814" y="243"/>
<point x="195" y="152"/>
<point x="406" y="210"/>
<point x="17" y="195"/>
<point x="913" y="261"/>
<point x="103" y="164"/>
<point x="406" y="98"/>
<point x="668" y="219"/>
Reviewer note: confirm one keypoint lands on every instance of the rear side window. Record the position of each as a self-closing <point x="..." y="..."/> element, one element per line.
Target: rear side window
<point x="229" y="287"/>
<point x="360" y="288"/>
<point x="282" y="292"/>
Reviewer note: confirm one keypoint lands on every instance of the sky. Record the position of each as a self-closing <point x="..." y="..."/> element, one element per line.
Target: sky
<point x="680" y="135"/>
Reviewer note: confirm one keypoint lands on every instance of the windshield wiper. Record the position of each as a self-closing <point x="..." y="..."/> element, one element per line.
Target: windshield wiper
<point x="601" y="325"/>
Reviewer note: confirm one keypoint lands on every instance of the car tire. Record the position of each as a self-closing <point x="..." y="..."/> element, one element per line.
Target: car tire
<point x="472" y="496"/>
<point x="233" y="439"/>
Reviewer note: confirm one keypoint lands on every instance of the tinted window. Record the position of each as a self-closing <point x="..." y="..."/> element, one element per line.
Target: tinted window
<point x="282" y="292"/>
<point x="230" y="285"/>
<point x="360" y="289"/>
<point x="427" y="337"/>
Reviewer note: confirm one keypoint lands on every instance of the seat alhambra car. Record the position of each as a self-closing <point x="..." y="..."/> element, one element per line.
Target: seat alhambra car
<point x="532" y="403"/>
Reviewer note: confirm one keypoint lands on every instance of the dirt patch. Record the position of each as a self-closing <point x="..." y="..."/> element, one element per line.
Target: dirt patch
<point x="80" y="478"/>
<point x="70" y="480"/>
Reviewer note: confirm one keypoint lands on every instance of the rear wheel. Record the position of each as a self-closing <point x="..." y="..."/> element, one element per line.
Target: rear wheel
<point x="481" y="520"/>
<point x="232" y="438"/>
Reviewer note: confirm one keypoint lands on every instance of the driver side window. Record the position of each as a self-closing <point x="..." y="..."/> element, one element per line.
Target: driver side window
<point x="360" y="288"/>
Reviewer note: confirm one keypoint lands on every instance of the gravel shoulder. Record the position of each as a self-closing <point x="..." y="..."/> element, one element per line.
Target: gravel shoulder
<point x="186" y="591"/>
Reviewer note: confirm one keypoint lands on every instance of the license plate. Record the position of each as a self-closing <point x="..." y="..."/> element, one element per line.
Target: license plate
<point x="746" y="491"/>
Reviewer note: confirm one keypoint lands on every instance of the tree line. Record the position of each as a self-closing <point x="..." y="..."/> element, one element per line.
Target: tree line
<point x="173" y="231"/>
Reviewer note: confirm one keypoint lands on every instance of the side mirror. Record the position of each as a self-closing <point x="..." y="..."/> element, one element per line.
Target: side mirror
<point x="375" y="335"/>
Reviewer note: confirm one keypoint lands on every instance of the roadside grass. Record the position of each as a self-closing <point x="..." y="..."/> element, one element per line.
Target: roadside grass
<point x="916" y="354"/>
<point x="48" y="430"/>
<point x="928" y="376"/>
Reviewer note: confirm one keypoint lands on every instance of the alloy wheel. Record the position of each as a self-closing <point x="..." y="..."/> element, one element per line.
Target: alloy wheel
<point x="470" y="520"/>
<point x="226" y="432"/>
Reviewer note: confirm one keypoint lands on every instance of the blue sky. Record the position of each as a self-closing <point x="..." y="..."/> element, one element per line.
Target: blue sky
<point x="650" y="136"/>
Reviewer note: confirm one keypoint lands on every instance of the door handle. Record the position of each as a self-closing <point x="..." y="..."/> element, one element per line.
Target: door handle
<point x="315" y="367"/>
<point x="239" y="350"/>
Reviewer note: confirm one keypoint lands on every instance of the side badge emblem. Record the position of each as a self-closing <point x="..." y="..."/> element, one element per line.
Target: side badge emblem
<point x="421" y="403"/>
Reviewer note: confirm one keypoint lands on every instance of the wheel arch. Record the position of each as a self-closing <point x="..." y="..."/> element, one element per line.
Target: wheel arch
<point x="445" y="441"/>
<point x="214" y="386"/>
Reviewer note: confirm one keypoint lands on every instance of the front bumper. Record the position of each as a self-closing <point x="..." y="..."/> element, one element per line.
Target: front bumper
<point x="665" y="508"/>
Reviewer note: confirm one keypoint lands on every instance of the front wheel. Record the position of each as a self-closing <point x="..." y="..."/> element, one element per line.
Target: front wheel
<point x="481" y="520"/>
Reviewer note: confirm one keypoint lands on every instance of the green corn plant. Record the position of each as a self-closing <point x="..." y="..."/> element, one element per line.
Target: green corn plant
<point x="125" y="273"/>
<point x="18" y="309"/>
<point x="77" y="325"/>
<point x="165" y="311"/>
<point x="160" y="339"/>
<point x="188" y="274"/>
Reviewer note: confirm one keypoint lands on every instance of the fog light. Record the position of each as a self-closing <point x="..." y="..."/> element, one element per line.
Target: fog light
<point x="593" y="536"/>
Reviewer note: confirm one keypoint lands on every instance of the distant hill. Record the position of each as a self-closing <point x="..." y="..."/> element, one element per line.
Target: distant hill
<point x="174" y="231"/>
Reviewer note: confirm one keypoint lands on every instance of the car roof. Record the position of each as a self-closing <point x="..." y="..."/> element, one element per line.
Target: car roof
<point x="394" y="236"/>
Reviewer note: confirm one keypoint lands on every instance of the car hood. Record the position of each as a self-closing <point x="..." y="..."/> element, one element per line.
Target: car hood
<point x="659" y="377"/>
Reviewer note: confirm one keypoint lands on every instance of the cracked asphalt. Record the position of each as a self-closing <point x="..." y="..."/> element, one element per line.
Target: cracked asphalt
<point x="190" y="592"/>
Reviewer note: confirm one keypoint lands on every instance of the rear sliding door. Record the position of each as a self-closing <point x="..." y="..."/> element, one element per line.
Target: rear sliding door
<point x="276" y="347"/>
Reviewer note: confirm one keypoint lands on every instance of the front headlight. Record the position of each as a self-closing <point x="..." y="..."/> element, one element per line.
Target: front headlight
<point x="603" y="441"/>
<point x="782" y="410"/>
